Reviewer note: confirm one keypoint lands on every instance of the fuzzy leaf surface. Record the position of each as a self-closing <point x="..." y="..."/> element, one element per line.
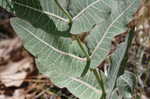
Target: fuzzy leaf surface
<point x="43" y="30"/>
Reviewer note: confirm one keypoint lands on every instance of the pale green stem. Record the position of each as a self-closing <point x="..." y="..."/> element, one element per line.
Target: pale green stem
<point x="64" y="11"/>
<point x="87" y="57"/>
<point x="99" y="79"/>
<point x="88" y="62"/>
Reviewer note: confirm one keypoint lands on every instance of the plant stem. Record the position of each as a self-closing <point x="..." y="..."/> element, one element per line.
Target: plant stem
<point x="125" y="59"/>
<point x="88" y="62"/>
<point x="87" y="57"/>
<point x="99" y="79"/>
<point x="87" y="66"/>
<point x="64" y="11"/>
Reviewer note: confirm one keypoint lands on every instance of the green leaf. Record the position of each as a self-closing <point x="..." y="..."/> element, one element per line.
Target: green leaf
<point x="102" y="18"/>
<point x="45" y="25"/>
<point x="54" y="61"/>
<point x="116" y="60"/>
<point x="43" y="14"/>
<point x="6" y="4"/>
<point x="99" y="39"/>
<point x="86" y="14"/>
<point x="126" y="84"/>
<point x="83" y="12"/>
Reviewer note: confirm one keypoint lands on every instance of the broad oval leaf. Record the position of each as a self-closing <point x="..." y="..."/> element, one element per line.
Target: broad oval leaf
<point x="44" y="20"/>
<point x="128" y="79"/>
<point x="43" y="14"/>
<point x="102" y="18"/>
<point x="115" y="65"/>
<point x="63" y="68"/>
<point x="85" y="14"/>
<point x="99" y="39"/>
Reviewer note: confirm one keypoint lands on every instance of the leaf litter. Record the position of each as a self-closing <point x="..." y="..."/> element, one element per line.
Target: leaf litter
<point x="19" y="77"/>
<point x="17" y="67"/>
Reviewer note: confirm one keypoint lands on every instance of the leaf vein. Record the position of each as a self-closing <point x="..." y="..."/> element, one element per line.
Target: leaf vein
<point x="110" y="25"/>
<point x="56" y="50"/>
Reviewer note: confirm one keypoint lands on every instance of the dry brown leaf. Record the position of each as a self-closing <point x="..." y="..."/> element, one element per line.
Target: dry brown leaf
<point x="15" y="63"/>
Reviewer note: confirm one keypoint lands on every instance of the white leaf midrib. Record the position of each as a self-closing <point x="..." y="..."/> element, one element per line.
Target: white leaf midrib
<point x="53" y="48"/>
<point x="87" y="85"/>
<point x="82" y="11"/>
<point x="44" y="12"/>
<point x="56" y="16"/>
<point x="110" y="25"/>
